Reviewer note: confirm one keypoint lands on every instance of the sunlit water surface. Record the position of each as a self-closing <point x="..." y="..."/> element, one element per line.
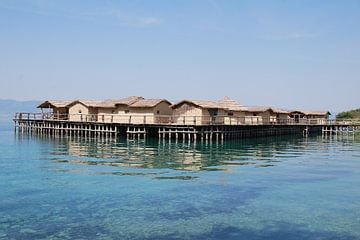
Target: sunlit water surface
<point x="269" y="188"/>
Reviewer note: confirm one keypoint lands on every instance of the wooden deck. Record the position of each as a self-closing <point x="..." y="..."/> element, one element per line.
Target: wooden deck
<point x="189" y="128"/>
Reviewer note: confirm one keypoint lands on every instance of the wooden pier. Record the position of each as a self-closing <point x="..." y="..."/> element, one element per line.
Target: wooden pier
<point x="340" y="129"/>
<point x="42" y="124"/>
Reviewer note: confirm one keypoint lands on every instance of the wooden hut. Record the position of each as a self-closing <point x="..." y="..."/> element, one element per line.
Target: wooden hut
<point x="135" y="110"/>
<point x="111" y="110"/>
<point x="58" y="108"/>
<point x="234" y="112"/>
<point x="309" y="117"/>
<point x="122" y="105"/>
<point x="83" y="110"/>
<point x="266" y="115"/>
<point x="282" y="116"/>
<point x="116" y="110"/>
<point x="122" y="110"/>
<point x="259" y="115"/>
<point x="150" y="111"/>
<point x="197" y="112"/>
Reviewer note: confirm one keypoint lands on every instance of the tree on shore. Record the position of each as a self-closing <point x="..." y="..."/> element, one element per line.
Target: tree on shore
<point x="352" y="114"/>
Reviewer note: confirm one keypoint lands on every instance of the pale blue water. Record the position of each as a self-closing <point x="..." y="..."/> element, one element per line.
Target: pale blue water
<point x="270" y="188"/>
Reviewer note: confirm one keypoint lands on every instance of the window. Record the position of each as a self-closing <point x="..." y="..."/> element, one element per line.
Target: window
<point x="213" y="112"/>
<point x="157" y="112"/>
<point x="79" y="111"/>
<point x="113" y="111"/>
<point x="127" y="111"/>
<point x="254" y="114"/>
<point x="230" y="114"/>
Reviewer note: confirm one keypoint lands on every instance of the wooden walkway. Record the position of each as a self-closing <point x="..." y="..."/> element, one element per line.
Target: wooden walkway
<point x="43" y="124"/>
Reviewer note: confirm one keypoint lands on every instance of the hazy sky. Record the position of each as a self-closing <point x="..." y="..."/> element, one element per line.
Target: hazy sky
<point x="291" y="54"/>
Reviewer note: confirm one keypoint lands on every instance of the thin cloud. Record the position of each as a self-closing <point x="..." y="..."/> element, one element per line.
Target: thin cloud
<point x="134" y="21"/>
<point x="289" y="36"/>
<point x="107" y="16"/>
<point x="152" y="21"/>
<point x="215" y="6"/>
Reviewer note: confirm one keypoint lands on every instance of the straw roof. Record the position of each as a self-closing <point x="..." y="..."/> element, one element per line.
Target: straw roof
<point x="199" y="103"/>
<point x="148" y="103"/>
<point x="312" y="112"/>
<point x="128" y="100"/>
<point x="265" y="108"/>
<point x="258" y="109"/>
<point x="110" y="103"/>
<point x="55" y="103"/>
<point x="104" y="104"/>
<point x="88" y="103"/>
<point x="278" y="110"/>
<point x="230" y="104"/>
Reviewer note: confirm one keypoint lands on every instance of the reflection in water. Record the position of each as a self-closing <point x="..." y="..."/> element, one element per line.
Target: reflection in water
<point x="93" y="188"/>
<point x="165" y="154"/>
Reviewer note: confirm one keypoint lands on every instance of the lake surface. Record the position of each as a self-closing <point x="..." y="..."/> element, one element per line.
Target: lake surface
<point x="93" y="188"/>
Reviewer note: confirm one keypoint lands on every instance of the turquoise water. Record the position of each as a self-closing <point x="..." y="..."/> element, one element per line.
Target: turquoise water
<point x="270" y="188"/>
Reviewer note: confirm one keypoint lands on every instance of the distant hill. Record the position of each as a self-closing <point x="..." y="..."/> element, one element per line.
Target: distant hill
<point x="352" y="114"/>
<point x="9" y="107"/>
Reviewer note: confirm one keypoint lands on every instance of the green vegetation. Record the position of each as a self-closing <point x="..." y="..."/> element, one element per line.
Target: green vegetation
<point x="352" y="114"/>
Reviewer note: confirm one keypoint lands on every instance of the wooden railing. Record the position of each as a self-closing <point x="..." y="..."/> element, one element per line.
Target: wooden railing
<point x="350" y="122"/>
<point x="178" y="120"/>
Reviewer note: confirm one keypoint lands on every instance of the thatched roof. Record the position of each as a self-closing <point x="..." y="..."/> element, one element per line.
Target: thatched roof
<point x="278" y="110"/>
<point x="55" y="103"/>
<point x="200" y="103"/>
<point x="88" y="103"/>
<point x="110" y="103"/>
<point x="148" y="103"/>
<point x="128" y="100"/>
<point x="258" y="109"/>
<point x="230" y="104"/>
<point x="311" y="112"/>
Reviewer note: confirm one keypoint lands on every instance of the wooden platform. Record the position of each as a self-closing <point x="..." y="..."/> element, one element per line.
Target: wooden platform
<point x="172" y="131"/>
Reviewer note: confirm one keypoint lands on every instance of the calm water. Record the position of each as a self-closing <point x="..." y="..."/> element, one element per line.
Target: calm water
<point x="271" y="188"/>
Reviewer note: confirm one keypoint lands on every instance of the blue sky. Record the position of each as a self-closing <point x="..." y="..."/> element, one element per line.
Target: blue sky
<point x="290" y="54"/>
